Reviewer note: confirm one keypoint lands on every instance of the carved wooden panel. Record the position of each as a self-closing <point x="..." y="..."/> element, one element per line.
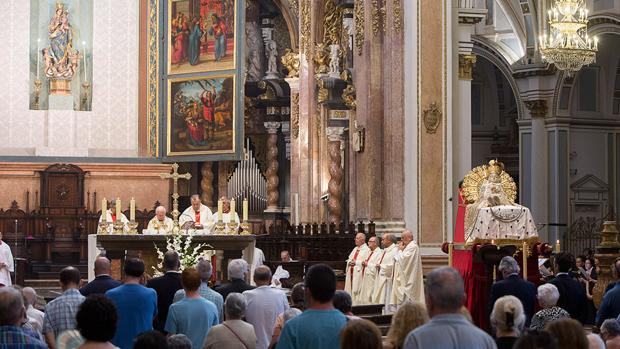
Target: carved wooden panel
<point x="62" y="185"/>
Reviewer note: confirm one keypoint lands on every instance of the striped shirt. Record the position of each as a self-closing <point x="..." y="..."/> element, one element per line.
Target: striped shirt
<point x="17" y="338"/>
<point x="207" y="293"/>
<point x="60" y="313"/>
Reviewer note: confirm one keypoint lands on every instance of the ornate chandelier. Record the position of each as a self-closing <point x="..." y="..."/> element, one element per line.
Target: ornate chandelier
<point x="568" y="46"/>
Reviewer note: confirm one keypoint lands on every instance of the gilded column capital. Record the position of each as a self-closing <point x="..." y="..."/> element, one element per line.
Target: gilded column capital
<point x="537" y="107"/>
<point x="272" y="126"/>
<point x="466" y="66"/>
<point x="290" y="60"/>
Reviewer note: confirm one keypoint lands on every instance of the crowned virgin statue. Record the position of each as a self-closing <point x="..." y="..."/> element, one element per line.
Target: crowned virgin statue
<point x="61" y="59"/>
<point x="491" y="213"/>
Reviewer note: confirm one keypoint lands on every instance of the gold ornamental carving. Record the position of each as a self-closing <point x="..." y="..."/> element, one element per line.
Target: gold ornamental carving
<point x="323" y="92"/>
<point x="606" y="253"/>
<point x="306" y="27"/>
<point x="537" y="108"/>
<point x="294" y="7"/>
<point x="378" y="17"/>
<point x="290" y="60"/>
<point x="398" y="15"/>
<point x="295" y="115"/>
<point x="152" y="79"/>
<point x="349" y="97"/>
<point x="360" y="14"/>
<point x="332" y="24"/>
<point x="466" y="66"/>
<point x="432" y="118"/>
<point x="474" y="179"/>
<point x="321" y="59"/>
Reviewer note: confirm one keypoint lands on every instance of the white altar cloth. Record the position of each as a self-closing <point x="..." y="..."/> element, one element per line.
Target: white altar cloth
<point x="503" y="222"/>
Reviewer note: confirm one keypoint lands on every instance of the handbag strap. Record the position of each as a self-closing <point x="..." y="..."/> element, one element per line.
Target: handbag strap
<point x="236" y="335"/>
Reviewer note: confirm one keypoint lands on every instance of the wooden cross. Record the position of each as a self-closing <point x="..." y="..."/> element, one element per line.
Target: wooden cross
<point x="175" y="176"/>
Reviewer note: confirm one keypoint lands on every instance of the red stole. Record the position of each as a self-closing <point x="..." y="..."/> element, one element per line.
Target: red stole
<point x="367" y="259"/>
<point x="197" y="217"/>
<point x="113" y="217"/>
<point x="354" y="259"/>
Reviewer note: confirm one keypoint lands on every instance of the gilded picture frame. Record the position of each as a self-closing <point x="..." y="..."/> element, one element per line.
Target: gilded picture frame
<point x="202" y="115"/>
<point x="201" y="36"/>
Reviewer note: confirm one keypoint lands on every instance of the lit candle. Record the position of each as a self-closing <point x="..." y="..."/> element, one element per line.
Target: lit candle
<point x="492" y="242"/>
<point x="84" y="47"/>
<point x="118" y="208"/>
<point x="245" y="210"/>
<point x="549" y="13"/>
<point x="219" y="210"/>
<point x="38" y="58"/>
<point x="557" y="246"/>
<point x="596" y="43"/>
<point x="104" y="210"/>
<point x="132" y="209"/>
<point x="296" y="202"/>
<point x="450" y="249"/>
<point x="232" y="210"/>
<point x="585" y="16"/>
<point x="525" y="260"/>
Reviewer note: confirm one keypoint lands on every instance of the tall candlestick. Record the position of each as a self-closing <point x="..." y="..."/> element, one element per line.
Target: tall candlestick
<point x="38" y="58"/>
<point x="104" y="210"/>
<point x="132" y="209"/>
<point x="557" y="246"/>
<point x="84" y="48"/>
<point x="245" y="210"/>
<point x="219" y="210"/>
<point x="232" y="210"/>
<point x="450" y="250"/>
<point x="118" y="208"/>
<point x="524" y="260"/>
<point x="296" y="203"/>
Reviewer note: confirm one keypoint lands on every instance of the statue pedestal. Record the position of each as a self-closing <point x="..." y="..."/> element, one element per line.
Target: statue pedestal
<point x="60" y="102"/>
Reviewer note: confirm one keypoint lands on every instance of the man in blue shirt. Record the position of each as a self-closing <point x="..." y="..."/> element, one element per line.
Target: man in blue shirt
<point x="192" y="316"/>
<point x="136" y="305"/>
<point x="319" y="326"/>
<point x="610" y="305"/>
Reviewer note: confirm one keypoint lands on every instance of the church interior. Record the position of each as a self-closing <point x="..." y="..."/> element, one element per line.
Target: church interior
<point x="311" y="121"/>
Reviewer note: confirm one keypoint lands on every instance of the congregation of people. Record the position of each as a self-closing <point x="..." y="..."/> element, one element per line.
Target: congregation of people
<point x="181" y="309"/>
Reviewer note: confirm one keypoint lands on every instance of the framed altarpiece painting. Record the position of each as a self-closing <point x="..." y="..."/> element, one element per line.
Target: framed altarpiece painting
<point x="201" y="88"/>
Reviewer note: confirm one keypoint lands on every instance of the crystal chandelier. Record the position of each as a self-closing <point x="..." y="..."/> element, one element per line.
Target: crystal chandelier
<point x="568" y="46"/>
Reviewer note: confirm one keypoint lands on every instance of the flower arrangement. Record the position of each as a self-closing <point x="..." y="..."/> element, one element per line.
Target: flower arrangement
<point x="188" y="255"/>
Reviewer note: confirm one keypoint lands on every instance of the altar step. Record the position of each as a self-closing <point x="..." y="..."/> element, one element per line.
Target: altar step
<point x="373" y="312"/>
<point x="50" y="271"/>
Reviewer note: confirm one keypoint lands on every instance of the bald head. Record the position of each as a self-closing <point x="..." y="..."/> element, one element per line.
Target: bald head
<point x="262" y="275"/>
<point x="360" y="239"/>
<point x="406" y="236"/>
<point x="160" y="212"/>
<point x="12" y="310"/>
<point x="31" y="296"/>
<point x="102" y="266"/>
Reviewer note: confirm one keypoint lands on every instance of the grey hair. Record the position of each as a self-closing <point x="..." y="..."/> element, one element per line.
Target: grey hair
<point x="237" y="269"/>
<point x="234" y="306"/>
<point x="548" y="295"/>
<point x="611" y="326"/>
<point x="30" y="294"/>
<point x="507" y="314"/>
<point x="159" y="208"/>
<point x="179" y="341"/>
<point x="444" y="287"/>
<point x="290" y="313"/>
<point x="393" y="238"/>
<point x="11" y="306"/>
<point x="508" y="265"/>
<point x="205" y="269"/>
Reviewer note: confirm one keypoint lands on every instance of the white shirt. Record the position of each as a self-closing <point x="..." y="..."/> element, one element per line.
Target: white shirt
<point x="6" y="257"/>
<point x="35" y="316"/>
<point x="265" y="303"/>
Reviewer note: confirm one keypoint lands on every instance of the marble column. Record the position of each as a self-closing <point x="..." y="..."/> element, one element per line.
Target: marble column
<point x="206" y="183"/>
<point x="295" y="175"/>
<point x="334" y="204"/>
<point x="272" y="166"/>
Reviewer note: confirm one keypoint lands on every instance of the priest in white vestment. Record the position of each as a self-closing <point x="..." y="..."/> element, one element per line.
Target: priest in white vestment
<point x="385" y="270"/>
<point x="199" y="215"/>
<point x="280" y="272"/>
<point x="6" y="263"/>
<point x="111" y="218"/>
<point x="407" y="284"/>
<point x="353" y="281"/>
<point x="369" y="270"/>
<point x="160" y="224"/>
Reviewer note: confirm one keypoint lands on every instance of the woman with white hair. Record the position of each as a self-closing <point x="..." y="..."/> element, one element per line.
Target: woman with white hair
<point x="508" y="320"/>
<point x="233" y="333"/>
<point x="548" y="296"/>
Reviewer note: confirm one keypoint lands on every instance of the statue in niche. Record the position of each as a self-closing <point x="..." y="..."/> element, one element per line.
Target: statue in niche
<point x="61" y="59"/>
<point x="334" y="61"/>
<point x="254" y="43"/>
<point x="271" y="53"/>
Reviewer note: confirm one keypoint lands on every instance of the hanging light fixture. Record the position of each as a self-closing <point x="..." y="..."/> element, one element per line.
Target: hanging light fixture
<point x="568" y="45"/>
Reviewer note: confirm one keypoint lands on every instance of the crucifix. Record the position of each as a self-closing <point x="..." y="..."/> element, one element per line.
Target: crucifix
<point x="175" y="176"/>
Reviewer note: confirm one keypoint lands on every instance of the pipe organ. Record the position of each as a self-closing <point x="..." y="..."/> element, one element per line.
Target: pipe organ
<point x="248" y="182"/>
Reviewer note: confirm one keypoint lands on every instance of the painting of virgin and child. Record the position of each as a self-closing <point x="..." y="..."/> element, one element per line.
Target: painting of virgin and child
<point x="201" y="116"/>
<point x="201" y="35"/>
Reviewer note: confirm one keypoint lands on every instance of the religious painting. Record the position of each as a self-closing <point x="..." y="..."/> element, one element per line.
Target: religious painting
<point x="201" y="35"/>
<point x="61" y="34"/>
<point x="201" y="116"/>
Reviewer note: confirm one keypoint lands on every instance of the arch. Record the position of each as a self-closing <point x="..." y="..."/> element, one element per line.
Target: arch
<point x="484" y="48"/>
<point x="291" y="19"/>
